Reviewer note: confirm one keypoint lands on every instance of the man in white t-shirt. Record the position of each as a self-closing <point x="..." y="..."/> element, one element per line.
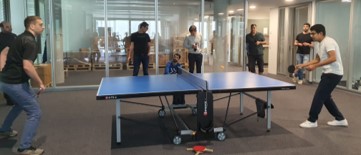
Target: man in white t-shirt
<point x="329" y="58"/>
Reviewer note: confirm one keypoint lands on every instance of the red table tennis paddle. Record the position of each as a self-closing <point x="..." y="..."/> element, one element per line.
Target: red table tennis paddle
<point x="199" y="149"/>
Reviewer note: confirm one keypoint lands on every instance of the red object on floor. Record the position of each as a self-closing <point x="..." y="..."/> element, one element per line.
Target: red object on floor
<point x="199" y="149"/>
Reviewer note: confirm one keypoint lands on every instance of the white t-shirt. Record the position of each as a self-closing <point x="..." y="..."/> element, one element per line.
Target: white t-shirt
<point x="193" y="40"/>
<point x="326" y="45"/>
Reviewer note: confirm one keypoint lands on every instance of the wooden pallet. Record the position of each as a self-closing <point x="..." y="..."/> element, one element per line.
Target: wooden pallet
<point x="77" y="67"/>
<point x="115" y="66"/>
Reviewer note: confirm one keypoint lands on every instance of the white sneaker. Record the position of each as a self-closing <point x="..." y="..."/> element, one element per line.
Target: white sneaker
<point x="343" y="123"/>
<point x="308" y="124"/>
<point x="300" y="82"/>
<point x="294" y="78"/>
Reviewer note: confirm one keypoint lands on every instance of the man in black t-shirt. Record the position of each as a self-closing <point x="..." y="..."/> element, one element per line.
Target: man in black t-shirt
<point x="14" y="81"/>
<point x="255" y="42"/>
<point x="6" y="39"/>
<point x="139" y="49"/>
<point x="304" y="43"/>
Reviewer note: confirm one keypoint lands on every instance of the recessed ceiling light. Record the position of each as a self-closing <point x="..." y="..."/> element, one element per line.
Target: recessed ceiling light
<point x="239" y="9"/>
<point x="289" y="0"/>
<point x="221" y="13"/>
<point x="346" y="0"/>
<point x="252" y="7"/>
<point x="230" y="11"/>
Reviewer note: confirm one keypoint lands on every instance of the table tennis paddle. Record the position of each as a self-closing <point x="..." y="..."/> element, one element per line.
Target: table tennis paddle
<point x="199" y="149"/>
<point x="291" y="68"/>
<point x="38" y="93"/>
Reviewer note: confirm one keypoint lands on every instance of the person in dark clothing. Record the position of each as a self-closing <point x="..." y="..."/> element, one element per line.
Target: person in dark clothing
<point x="173" y="67"/>
<point x="304" y="43"/>
<point x="255" y="42"/>
<point x="14" y="81"/>
<point x="139" y="49"/>
<point x="6" y="39"/>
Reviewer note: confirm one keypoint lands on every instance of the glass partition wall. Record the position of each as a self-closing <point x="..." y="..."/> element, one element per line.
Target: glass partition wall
<point x="325" y="10"/>
<point x="90" y="39"/>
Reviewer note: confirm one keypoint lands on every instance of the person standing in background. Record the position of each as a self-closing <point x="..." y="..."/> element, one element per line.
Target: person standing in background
<point x="94" y="53"/>
<point x="304" y="44"/>
<point x="193" y="43"/>
<point x="255" y="42"/>
<point x="140" y="48"/>
<point x="6" y="39"/>
<point x="14" y="81"/>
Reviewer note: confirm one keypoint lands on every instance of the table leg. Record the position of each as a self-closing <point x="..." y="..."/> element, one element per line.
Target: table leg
<point x="269" y="99"/>
<point x="241" y="103"/>
<point x="117" y="117"/>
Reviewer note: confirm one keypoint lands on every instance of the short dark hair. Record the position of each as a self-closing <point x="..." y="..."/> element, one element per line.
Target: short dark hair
<point x="3" y="23"/>
<point x="143" y="24"/>
<point x="308" y="24"/>
<point x="29" y="20"/>
<point x="192" y="27"/>
<point x="253" y="25"/>
<point x="177" y="54"/>
<point x="318" y="28"/>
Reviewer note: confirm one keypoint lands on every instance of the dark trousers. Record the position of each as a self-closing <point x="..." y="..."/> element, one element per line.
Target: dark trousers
<point x="178" y="99"/>
<point x="252" y="59"/>
<point x="323" y="97"/>
<point x="195" y="59"/>
<point x="144" y="59"/>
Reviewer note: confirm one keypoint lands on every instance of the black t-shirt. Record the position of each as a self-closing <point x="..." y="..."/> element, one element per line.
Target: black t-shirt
<point x="252" y="47"/>
<point x="302" y="38"/>
<point x="140" y="41"/>
<point x="6" y="39"/>
<point x="23" y="48"/>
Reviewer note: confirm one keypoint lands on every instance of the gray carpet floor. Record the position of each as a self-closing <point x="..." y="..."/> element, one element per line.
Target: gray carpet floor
<point x="74" y="123"/>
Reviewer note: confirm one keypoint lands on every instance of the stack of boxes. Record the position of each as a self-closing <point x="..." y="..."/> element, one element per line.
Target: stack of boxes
<point x="44" y="72"/>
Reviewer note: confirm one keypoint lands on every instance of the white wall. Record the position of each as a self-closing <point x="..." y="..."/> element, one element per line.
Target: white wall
<point x="273" y="42"/>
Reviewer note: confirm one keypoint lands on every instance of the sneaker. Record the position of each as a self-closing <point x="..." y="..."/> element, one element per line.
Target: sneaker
<point x="30" y="151"/>
<point x="338" y="123"/>
<point x="308" y="124"/>
<point x="294" y="78"/>
<point x="11" y="133"/>
<point x="300" y="82"/>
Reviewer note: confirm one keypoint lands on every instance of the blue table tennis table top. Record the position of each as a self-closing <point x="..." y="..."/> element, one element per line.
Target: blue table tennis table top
<point x="155" y="85"/>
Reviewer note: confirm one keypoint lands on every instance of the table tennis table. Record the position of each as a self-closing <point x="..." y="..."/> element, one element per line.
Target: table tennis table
<point x="119" y="88"/>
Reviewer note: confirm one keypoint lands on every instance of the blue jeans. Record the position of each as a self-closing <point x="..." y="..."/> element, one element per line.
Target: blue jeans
<point x="144" y="59"/>
<point x="301" y="59"/>
<point x="24" y="99"/>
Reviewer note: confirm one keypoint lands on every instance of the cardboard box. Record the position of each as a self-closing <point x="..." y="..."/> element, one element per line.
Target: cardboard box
<point x="44" y="72"/>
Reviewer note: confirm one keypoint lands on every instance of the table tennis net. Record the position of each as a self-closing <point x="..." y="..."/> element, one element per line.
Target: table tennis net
<point x="192" y="79"/>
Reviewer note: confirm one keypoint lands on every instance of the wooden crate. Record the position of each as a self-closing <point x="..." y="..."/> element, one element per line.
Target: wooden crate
<point x="77" y="67"/>
<point x="44" y="72"/>
<point x="101" y="66"/>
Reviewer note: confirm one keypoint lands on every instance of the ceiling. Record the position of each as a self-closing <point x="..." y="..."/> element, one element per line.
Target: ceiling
<point x="145" y="8"/>
<point x="263" y="7"/>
